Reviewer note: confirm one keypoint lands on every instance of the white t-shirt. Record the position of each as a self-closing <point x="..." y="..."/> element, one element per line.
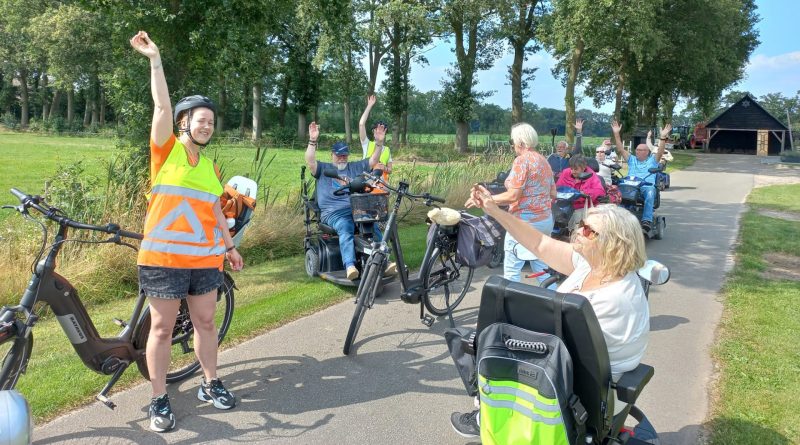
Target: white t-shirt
<point x="622" y="311"/>
<point x="605" y="172"/>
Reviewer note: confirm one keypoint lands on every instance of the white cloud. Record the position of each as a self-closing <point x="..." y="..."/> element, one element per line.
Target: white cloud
<point x="779" y="62"/>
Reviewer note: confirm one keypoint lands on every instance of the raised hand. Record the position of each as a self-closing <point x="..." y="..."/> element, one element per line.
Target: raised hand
<point x="141" y="42"/>
<point x="666" y="131"/>
<point x="313" y="131"/>
<point x="371" y="100"/>
<point x="380" y="134"/>
<point x="481" y="198"/>
<point x="649" y="134"/>
<point x="616" y="127"/>
<point x="579" y="125"/>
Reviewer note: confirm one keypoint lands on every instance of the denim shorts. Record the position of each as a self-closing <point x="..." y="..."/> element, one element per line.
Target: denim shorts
<point x="172" y="284"/>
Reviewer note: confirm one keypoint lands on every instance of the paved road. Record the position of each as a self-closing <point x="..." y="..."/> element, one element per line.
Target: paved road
<point x="400" y="387"/>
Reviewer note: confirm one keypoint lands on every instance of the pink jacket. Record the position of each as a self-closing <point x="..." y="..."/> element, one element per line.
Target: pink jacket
<point x="591" y="186"/>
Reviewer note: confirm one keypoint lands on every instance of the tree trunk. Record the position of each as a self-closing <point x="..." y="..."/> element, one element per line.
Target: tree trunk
<point x="516" y="83"/>
<point x="256" y="111"/>
<point x="70" y="104"/>
<point x="219" y="123"/>
<point x="618" y="98"/>
<point x="348" y="132"/>
<point x="95" y="94"/>
<point x="462" y="136"/>
<point x="43" y="91"/>
<point x="302" y="127"/>
<point x="102" y="100"/>
<point x="24" y="119"/>
<point x="404" y="128"/>
<point x="54" y="111"/>
<point x="243" y="120"/>
<point x="569" y="96"/>
<point x="284" y="102"/>
<point x="87" y="109"/>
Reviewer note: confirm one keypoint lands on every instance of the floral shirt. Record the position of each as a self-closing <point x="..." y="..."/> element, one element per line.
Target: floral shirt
<point x="531" y="173"/>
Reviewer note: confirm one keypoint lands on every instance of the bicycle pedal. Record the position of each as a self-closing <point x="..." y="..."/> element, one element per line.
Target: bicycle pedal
<point x="428" y="320"/>
<point x="120" y="323"/>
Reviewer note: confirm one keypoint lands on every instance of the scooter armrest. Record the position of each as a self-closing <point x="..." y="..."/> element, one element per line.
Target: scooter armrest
<point x="630" y="385"/>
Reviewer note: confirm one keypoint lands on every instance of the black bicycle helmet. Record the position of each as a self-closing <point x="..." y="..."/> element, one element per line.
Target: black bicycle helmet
<point x="189" y="103"/>
<point x="192" y="102"/>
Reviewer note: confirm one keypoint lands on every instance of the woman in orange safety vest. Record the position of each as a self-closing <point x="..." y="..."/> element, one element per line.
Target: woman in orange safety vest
<point x="186" y="238"/>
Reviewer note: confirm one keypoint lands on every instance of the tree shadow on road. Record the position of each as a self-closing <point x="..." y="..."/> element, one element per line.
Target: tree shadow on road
<point x="666" y="322"/>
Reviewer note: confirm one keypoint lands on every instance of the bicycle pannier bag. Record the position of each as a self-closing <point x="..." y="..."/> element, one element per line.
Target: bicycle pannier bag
<point x="477" y="236"/>
<point x="525" y="388"/>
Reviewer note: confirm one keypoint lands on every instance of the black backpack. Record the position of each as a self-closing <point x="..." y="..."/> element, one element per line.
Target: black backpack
<point x="477" y="236"/>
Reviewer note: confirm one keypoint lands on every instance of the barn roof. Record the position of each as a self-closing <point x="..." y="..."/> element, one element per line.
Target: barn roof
<point x="746" y="114"/>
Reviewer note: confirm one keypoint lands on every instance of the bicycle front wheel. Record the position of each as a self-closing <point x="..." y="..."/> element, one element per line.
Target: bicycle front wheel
<point x="446" y="282"/>
<point x="364" y="296"/>
<point x="184" y="362"/>
<point x="14" y="354"/>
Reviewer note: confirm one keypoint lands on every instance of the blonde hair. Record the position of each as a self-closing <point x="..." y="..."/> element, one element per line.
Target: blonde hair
<point x="620" y="243"/>
<point x="525" y="134"/>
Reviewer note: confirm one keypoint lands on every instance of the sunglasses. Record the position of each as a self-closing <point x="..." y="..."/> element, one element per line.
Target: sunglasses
<point x="587" y="231"/>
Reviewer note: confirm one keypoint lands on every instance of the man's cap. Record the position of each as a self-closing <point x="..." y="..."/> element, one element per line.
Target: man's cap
<point x="341" y="148"/>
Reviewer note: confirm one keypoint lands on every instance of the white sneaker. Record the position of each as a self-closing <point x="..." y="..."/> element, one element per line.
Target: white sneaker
<point x="352" y="273"/>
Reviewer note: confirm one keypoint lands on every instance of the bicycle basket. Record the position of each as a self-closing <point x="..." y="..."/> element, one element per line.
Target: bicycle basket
<point x="369" y="207"/>
<point x="630" y="193"/>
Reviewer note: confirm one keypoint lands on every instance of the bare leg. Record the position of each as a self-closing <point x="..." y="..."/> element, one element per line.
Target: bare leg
<point x="202" y="309"/>
<point x="159" y="341"/>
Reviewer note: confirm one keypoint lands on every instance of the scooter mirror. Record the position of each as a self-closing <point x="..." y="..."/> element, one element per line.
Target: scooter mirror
<point x="654" y="272"/>
<point x="331" y="173"/>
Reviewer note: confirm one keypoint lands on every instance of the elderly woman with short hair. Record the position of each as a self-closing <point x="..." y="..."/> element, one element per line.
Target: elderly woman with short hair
<point x="529" y="193"/>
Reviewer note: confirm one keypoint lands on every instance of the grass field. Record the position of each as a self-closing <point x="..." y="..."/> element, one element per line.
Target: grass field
<point x="757" y="352"/>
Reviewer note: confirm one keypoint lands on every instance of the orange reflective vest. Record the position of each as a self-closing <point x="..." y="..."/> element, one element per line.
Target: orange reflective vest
<point x="180" y="229"/>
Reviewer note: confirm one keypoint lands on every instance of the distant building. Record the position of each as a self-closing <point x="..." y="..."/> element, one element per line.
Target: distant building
<point x="747" y="128"/>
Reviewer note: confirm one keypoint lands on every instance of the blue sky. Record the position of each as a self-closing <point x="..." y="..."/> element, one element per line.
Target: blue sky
<point x="774" y="66"/>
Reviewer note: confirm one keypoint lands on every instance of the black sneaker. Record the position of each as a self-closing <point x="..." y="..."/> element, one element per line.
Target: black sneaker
<point x="214" y="392"/>
<point x="466" y="424"/>
<point x="161" y="417"/>
<point x="647" y="225"/>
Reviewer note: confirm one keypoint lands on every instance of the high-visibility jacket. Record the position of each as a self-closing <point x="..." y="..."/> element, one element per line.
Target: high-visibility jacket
<point x="386" y="154"/>
<point x="180" y="229"/>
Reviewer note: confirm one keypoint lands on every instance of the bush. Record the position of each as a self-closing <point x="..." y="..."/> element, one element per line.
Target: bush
<point x="790" y="156"/>
<point x="284" y="135"/>
<point x="9" y="121"/>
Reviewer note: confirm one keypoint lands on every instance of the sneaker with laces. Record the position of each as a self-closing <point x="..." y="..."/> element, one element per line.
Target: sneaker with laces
<point x="352" y="272"/>
<point x="161" y="417"/>
<point x="466" y="424"/>
<point x="214" y="392"/>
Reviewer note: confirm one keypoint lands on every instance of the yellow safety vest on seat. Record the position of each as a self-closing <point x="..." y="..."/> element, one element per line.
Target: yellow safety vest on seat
<point x="180" y="229"/>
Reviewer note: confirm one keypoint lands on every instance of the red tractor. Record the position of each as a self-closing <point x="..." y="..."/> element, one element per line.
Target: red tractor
<point x="700" y="136"/>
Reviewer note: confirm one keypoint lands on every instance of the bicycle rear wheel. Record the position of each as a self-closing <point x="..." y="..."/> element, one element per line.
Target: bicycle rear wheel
<point x="183" y="361"/>
<point x="446" y="282"/>
<point x="364" y="296"/>
<point x="14" y="354"/>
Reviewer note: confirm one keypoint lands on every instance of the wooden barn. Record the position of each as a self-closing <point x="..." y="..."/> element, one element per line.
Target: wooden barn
<point x="747" y="128"/>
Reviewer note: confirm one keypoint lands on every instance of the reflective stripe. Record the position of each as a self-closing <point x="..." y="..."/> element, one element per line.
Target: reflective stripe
<point x="182" y="249"/>
<point x="183" y="191"/>
<point x="522" y="409"/>
<point x="184" y="209"/>
<point x="490" y="388"/>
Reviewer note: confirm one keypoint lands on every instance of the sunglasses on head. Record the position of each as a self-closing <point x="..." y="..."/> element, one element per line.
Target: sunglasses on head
<point x="587" y="231"/>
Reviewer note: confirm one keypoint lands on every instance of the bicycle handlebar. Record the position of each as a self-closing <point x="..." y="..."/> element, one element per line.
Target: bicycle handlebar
<point x="49" y="212"/>
<point x="425" y="196"/>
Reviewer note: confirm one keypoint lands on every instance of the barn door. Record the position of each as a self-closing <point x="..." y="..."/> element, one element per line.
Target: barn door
<point x="762" y="141"/>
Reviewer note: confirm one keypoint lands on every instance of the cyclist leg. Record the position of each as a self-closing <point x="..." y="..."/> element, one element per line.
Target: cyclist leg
<point x="512" y="266"/>
<point x="159" y="341"/>
<point x="202" y="302"/>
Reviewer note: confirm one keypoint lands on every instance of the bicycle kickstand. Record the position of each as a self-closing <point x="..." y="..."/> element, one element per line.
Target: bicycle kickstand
<point x="102" y="396"/>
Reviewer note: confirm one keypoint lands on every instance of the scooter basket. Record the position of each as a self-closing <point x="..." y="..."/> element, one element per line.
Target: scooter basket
<point x="562" y="212"/>
<point x="369" y="207"/>
<point x="630" y="193"/>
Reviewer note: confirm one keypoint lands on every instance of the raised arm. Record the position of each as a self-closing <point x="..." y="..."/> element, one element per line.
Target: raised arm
<point x="557" y="254"/>
<point x="311" y="150"/>
<point x="621" y="152"/>
<point x="362" y="123"/>
<point x="649" y="141"/>
<point x="161" y="129"/>
<point x="380" y="136"/>
<point x="578" y="150"/>
<point x="662" y="141"/>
